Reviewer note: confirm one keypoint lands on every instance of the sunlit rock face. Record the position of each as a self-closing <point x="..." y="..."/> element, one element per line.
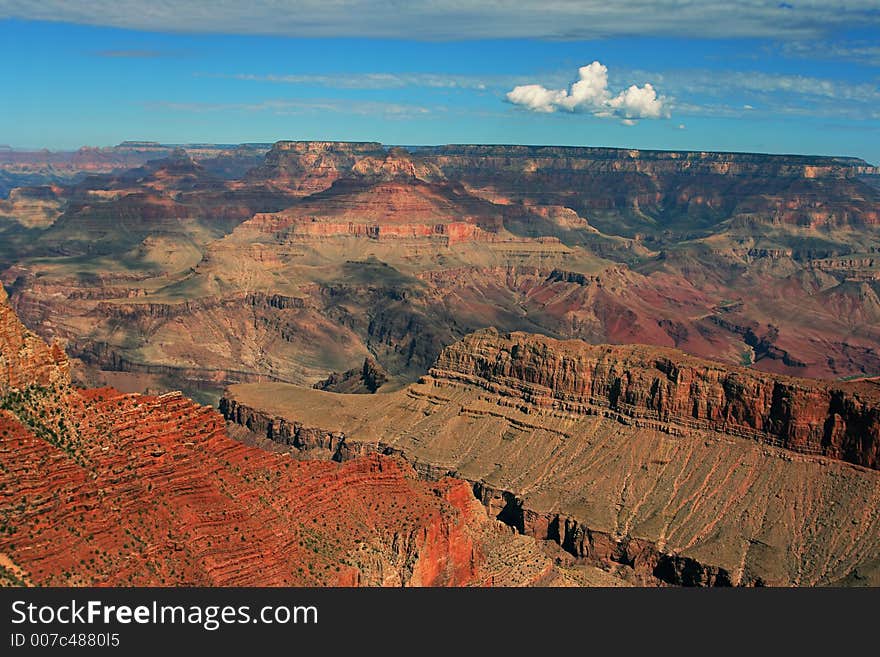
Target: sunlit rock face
<point x="106" y="488"/>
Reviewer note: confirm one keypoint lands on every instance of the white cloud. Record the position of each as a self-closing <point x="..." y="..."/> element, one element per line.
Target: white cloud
<point x="536" y="98"/>
<point x="639" y="102"/>
<point x="590" y="93"/>
<point x="463" y="19"/>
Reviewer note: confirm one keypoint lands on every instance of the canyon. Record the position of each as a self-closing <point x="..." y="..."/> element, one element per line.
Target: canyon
<point x="99" y="487"/>
<point x="168" y="272"/>
<point x="450" y="365"/>
<point x="673" y="469"/>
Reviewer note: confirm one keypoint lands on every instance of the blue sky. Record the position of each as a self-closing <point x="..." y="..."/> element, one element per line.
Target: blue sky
<point x="766" y="77"/>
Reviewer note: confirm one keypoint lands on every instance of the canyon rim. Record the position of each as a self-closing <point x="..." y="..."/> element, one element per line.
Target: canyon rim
<point x="634" y="414"/>
<point x="304" y="298"/>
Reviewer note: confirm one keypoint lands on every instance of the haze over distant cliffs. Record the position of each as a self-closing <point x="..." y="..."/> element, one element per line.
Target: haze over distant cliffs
<point x="190" y="271"/>
<point x="463" y="364"/>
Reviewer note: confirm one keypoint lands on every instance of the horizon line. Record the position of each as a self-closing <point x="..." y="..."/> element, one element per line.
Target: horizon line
<point x="8" y="148"/>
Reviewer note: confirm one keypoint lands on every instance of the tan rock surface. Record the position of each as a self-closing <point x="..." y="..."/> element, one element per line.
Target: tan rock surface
<point x="673" y="500"/>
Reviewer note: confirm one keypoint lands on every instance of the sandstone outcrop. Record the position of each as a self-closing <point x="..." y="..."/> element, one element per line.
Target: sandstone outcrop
<point x="366" y="379"/>
<point x="104" y="488"/>
<point x="308" y="167"/>
<point x="24" y="358"/>
<point x="676" y="469"/>
<point x="840" y="420"/>
<point x="403" y="209"/>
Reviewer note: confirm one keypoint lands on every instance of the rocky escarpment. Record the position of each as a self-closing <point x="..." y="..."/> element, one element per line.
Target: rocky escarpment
<point x="32" y="207"/>
<point x="366" y="379"/>
<point x="448" y="233"/>
<point x="624" y="191"/>
<point x="602" y="160"/>
<point x="679" y="470"/>
<point x="105" y="488"/>
<point x="310" y="167"/>
<point x="24" y="358"/>
<point x="410" y="208"/>
<point x="619" y="188"/>
<point x="671" y="389"/>
<point x="306" y="167"/>
<point x="680" y="189"/>
<point x="157" y="494"/>
<point x="692" y="512"/>
<point x="128" y="154"/>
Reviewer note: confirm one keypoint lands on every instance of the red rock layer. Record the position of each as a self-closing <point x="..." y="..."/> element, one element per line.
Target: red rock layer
<point x="452" y="232"/>
<point x="162" y="496"/>
<point x="669" y="387"/>
<point x="409" y="209"/>
<point x="304" y="168"/>
<point x="103" y="488"/>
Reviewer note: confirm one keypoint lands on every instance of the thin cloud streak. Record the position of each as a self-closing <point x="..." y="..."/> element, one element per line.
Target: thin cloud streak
<point x="293" y="107"/>
<point x="463" y="19"/>
<point x="368" y="80"/>
<point x="766" y="95"/>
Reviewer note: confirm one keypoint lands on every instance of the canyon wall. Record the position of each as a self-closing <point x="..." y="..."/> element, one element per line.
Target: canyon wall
<point x="668" y="387"/>
<point x="605" y="160"/>
<point x="104" y="488"/>
<point x="688" y="190"/>
<point x="676" y="469"/>
<point x="24" y="358"/>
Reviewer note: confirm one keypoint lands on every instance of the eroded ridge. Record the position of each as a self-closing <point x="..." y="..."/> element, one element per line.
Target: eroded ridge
<point x="673" y="391"/>
<point x="594" y="447"/>
<point x="98" y="487"/>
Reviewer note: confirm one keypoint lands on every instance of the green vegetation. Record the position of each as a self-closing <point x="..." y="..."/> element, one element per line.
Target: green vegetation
<point x="9" y="578"/>
<point x="29" y="406"/>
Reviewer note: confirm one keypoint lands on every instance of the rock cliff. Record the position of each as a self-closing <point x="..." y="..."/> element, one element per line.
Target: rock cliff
<point x="24" y="358"/>
<point x="676" y="469"/>
<point x="366" y="379"/>
<point x="105" y="488"/>
<point x="304" y="168"/>
<point x="670" y="388"/>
